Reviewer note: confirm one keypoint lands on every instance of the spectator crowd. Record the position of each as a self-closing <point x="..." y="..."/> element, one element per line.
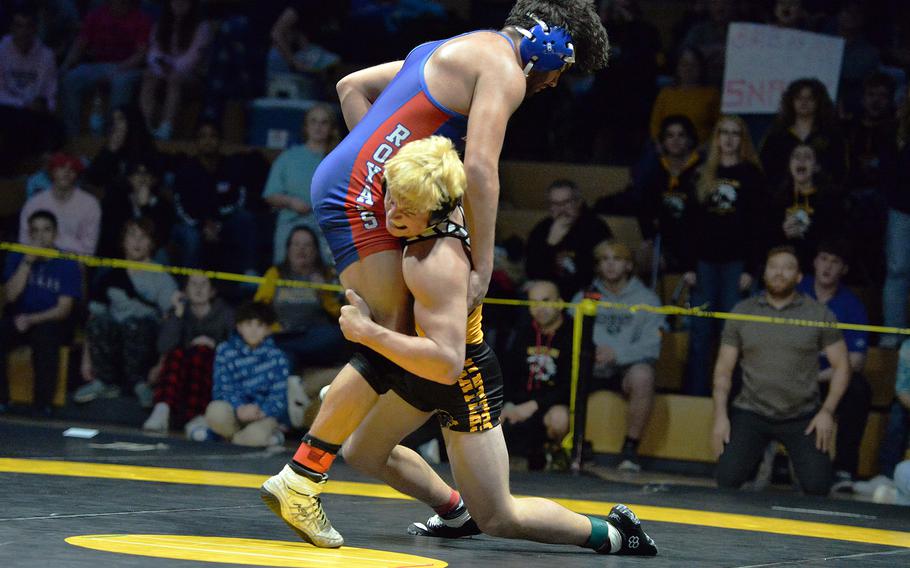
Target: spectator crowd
<point x="119" y="118"/>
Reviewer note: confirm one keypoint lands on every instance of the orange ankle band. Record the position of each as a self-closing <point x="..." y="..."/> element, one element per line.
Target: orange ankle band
<point x="313" y="458"/>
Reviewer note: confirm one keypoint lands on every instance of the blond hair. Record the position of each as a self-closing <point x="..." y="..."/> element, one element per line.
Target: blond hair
<point x="426" y="174"/>
<point x="747" y="153"/>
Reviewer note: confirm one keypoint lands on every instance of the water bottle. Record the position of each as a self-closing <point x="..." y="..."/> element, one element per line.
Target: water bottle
<point x="96" y="118"/>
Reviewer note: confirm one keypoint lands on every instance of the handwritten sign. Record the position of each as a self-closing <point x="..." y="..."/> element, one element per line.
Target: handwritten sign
<point x="762" y="60"/>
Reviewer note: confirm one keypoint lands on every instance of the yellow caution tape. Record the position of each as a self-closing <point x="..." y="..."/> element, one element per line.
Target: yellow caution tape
<point x="95" y="261"/>
<point x="702" y="313"/>
<point x="586" y="308"/>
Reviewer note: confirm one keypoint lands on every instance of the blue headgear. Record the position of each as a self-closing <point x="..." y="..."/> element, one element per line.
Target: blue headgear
<point x="544" y="48"/>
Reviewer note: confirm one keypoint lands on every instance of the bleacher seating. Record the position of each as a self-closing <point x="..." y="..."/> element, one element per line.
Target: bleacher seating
<point x="519" y="222"/>
<point x="22" y="377"/>
<point x="881" y="371"/>
<point x="680" y="426"/>
<point x="680" y="429"/>
<point x="671" y="366"/>
<point x="524" y="184"/>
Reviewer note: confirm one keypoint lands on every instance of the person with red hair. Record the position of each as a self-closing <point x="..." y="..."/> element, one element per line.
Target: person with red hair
<point x="78" y="212"/>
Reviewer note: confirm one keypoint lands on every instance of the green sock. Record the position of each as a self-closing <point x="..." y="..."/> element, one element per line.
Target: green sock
<point x="600" y="534"/>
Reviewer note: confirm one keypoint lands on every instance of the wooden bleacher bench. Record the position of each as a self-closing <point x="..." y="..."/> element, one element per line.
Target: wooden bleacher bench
<point x="872" y="438"/>
<point x="666" y="286"/>
<point x="881" y="371"/>
<point x="680" y="429"/>
<point x="625" y="230"/>
<point x="22" y="376"/>
<point x="524" y="184"/>
<point x="671" y="366"/>
<point x="519" y="222"/>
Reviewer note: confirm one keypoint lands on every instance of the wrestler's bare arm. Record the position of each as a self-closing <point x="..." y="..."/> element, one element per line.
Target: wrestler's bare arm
<point x="438" y="280"/>
<point x="498" y="91"/>
<point x="360" y="89"/>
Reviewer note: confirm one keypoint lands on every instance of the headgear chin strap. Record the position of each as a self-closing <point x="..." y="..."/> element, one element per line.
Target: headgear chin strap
<point x="441" y="213"/>
<point x="545" y="48"/>
<point x="438" y="215"/>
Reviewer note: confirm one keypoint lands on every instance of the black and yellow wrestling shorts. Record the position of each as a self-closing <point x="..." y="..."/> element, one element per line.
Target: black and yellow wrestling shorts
<point x="472" y="404"/>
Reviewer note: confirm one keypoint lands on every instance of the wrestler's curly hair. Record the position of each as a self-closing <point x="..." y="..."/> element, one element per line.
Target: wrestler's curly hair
<point x="578" y="17"/>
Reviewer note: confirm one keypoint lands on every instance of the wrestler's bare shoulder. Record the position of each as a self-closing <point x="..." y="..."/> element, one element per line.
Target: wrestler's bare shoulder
<point x="435" y="259"/>
<point x="479" y="52"/>
<point x="459" y="65"/>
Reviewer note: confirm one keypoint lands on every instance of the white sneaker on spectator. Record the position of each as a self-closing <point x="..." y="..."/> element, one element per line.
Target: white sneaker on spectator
<point x="629" y="465"/>
<point x="277" y="438"/>
<point x="159" y="419"/>
<point x="298" y="401"/>
<point x="95" y="390"/>
<point x="197" y="429"/>
<point x="886" y="494"/>
<point x="869" y="487"/>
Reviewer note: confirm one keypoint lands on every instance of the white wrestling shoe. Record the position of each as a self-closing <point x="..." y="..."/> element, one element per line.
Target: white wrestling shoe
<point x="295" y="498"/>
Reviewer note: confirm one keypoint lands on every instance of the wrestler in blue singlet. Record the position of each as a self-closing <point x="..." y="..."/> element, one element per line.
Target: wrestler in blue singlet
<point x="347" y="186"/>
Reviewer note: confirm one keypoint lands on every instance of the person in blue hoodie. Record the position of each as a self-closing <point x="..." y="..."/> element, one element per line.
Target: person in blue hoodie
<point x="627" y="344"/>
<point x="249" y="394"/>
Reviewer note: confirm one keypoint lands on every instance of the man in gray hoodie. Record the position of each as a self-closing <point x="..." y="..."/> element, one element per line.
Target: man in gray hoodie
<point x="627" y="343"/>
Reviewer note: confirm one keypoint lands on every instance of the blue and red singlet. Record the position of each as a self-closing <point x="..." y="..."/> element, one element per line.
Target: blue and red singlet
<point x="347" y="187"/>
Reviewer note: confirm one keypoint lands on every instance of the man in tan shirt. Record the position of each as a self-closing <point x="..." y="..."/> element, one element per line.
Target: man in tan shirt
<point x="779" y="399"/>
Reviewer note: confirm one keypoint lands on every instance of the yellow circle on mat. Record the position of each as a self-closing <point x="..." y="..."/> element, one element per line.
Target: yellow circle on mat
<point x="249" y="551"/>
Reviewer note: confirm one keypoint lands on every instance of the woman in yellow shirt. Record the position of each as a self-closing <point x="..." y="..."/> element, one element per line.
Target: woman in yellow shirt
<point x="308" y="329"/>
<point x="688" y="96"/>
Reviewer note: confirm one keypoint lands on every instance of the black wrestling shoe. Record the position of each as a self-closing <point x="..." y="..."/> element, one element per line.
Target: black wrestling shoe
<point x="459" y="526"/>
<point x="635" y="541"/>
